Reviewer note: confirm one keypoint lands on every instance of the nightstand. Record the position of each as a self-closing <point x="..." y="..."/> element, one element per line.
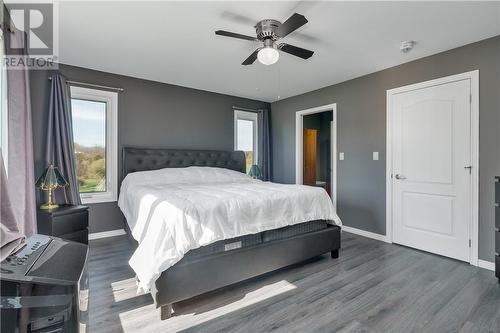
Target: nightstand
<point x="67" y="221"/>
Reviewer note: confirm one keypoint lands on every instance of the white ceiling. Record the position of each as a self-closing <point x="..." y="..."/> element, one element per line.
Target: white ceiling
<point x="174" y="42"/>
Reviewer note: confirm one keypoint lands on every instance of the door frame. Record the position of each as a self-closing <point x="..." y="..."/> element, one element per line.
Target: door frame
<point x="299" y="151"/>
<point x="473" y="76"/>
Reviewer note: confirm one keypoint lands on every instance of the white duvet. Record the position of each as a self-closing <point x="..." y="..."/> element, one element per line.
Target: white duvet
<point x="171" y="211"/>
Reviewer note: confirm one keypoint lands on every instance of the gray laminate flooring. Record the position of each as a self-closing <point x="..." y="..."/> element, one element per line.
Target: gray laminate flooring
<point x="372" y="287"/>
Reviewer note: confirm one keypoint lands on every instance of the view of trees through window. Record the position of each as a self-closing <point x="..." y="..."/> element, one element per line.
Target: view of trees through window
<point x="89" y="134"/>
<point x="249" y="159"/>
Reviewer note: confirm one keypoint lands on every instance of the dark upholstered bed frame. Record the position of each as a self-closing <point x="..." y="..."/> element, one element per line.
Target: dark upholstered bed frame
<point x="187" y="279"/>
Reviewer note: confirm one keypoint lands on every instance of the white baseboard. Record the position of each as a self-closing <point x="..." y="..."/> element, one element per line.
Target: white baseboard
<point x="367" y="234"/>
<point x="105" y="234"/>
<point x="486" y="264"/>
<point x="480" y="263"/>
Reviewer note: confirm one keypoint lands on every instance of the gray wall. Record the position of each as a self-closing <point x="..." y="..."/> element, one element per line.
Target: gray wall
<point x="361" y="107"/>
<point x="149" y="114"/>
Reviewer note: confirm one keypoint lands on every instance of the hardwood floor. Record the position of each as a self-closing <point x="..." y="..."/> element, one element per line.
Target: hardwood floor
<point x="372" y="287"/>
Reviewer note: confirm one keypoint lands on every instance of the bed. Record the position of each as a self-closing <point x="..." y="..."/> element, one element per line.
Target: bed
<point x="200" y="223"/>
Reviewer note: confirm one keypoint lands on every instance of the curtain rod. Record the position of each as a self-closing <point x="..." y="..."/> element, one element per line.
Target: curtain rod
<point x="245" y="109"/>
<point x="91" y="85"/>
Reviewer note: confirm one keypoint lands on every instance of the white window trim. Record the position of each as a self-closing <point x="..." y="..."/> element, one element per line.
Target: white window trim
<point x="111" y="99"/>
<point x="251" y="116"/>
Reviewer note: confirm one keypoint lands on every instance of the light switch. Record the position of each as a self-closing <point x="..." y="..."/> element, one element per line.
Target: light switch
<point x="341" y="156"/>
<point x="375" y="155"/>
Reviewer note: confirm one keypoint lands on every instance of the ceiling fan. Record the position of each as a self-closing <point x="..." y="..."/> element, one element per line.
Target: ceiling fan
<point x="268" y="32"/>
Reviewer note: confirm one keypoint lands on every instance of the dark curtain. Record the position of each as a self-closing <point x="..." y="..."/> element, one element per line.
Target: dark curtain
<point x="264" y="153"/>
<point x="60" y="146"/>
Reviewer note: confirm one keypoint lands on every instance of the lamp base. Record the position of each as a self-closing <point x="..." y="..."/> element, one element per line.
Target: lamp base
<point x="49" y="205"/>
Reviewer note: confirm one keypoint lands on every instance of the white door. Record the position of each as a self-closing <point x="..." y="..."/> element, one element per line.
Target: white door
<point x="431" y="179"/>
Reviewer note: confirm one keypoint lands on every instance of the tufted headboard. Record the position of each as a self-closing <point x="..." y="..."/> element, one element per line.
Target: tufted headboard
<point x="141" y="159"/>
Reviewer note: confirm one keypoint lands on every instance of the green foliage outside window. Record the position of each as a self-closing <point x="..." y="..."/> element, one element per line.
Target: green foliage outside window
<point x="249" y="160"/>
<point x="91" y="168"/>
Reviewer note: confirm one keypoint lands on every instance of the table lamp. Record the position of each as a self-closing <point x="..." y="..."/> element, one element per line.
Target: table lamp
<point x="255" y="172"/>
<point x="49" y="181"/>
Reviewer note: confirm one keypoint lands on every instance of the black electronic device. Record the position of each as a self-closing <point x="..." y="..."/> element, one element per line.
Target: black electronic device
<point x="44" y="287"/>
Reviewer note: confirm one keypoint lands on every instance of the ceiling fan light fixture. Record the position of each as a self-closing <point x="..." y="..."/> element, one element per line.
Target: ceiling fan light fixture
<point x="268" y="32"/>
<point x="268" y="55"/>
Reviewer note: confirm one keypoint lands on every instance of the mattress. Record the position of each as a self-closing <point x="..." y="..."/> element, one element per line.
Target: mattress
<point x="294" y="230"/>
<point x="175" y="210"/>
<point x="254" y="239"/>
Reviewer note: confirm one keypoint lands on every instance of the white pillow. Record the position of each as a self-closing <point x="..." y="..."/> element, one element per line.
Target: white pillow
<point x="189" y="175"/>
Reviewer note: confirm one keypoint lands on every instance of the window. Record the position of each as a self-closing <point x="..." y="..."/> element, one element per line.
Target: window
<point x="245" y="135"/>
<point x="94" y="114"/>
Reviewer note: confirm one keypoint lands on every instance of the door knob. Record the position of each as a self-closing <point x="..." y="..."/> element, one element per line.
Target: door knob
<point x="401" y="177"/>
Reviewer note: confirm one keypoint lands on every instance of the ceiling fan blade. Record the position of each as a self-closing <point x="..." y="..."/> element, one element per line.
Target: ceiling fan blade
<point x="293" y="23"/>
<point x="296" y="51"/>
<point x="251" y="59"/>
<point x="234" y="35"/>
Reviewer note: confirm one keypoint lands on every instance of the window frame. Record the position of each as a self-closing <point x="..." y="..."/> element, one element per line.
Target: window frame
<point x="111" y="100"/>
<point x="250" y="116"/>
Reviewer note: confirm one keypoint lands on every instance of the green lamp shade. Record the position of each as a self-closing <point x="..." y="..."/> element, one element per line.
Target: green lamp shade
<point x="51" y="179"/>
<point x="255" y="171"/>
